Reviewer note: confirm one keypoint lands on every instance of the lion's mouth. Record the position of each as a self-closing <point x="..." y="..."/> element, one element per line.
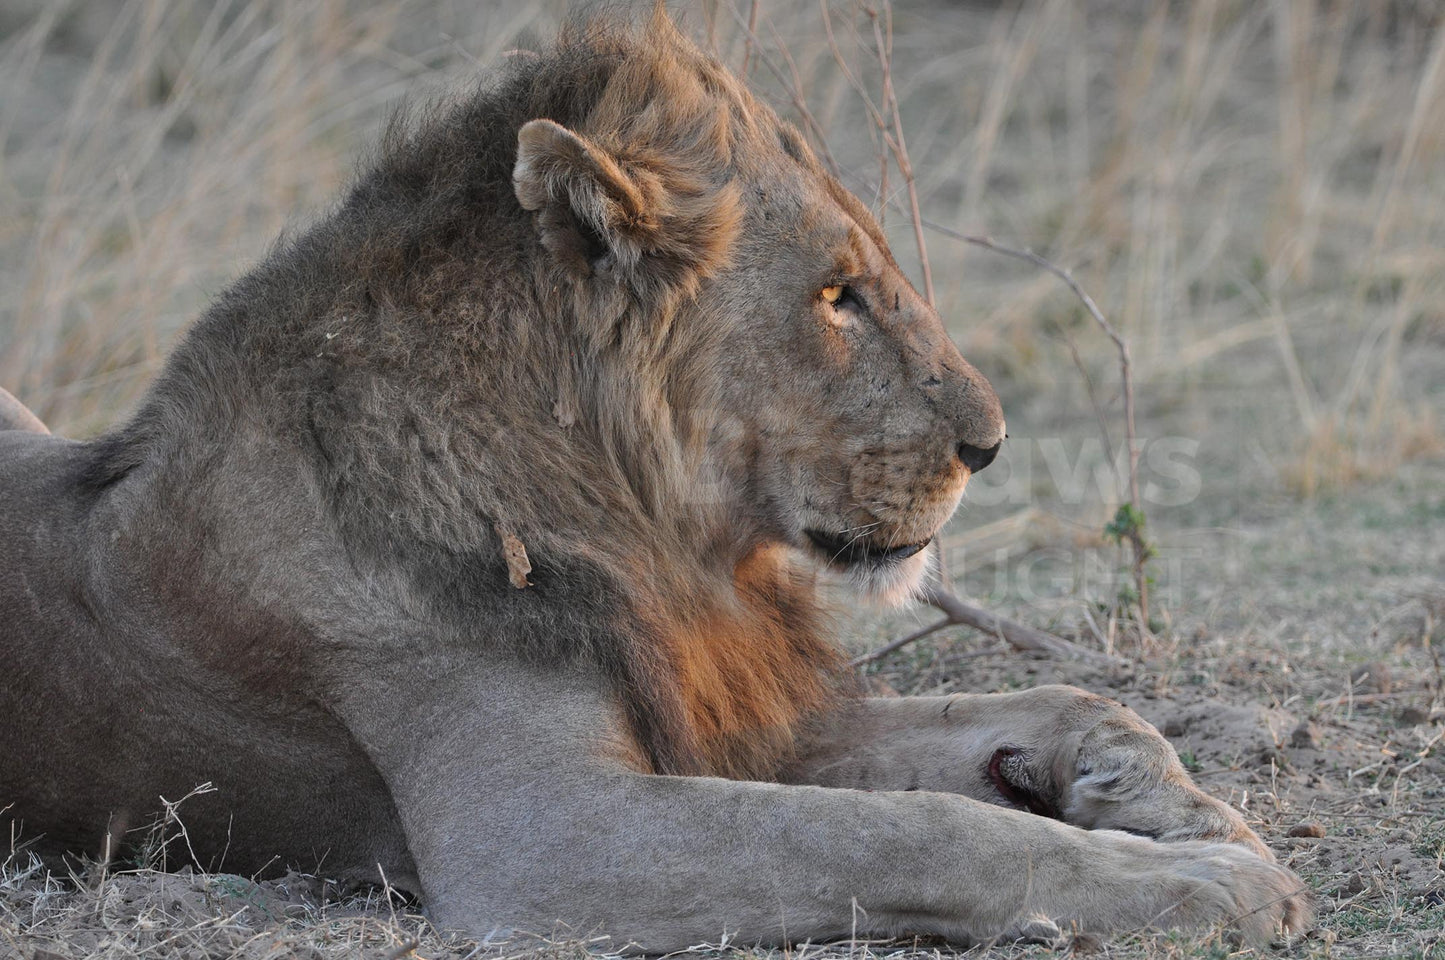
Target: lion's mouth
<point x="847" y="551"/>
<point x="1008" y="772"/>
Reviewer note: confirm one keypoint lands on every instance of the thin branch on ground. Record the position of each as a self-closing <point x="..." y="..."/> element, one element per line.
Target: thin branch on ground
<point x="1016" y="635"/>
<point x="994" y="651"/>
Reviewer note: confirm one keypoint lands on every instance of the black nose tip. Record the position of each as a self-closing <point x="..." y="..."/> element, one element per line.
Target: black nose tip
<point x="976" y="458"/>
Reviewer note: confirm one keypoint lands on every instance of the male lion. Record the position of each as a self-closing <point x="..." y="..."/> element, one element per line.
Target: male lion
<point x="610" y="320"/>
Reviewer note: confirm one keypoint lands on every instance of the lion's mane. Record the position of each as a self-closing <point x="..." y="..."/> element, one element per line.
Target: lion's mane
<point x="451" y="381"/>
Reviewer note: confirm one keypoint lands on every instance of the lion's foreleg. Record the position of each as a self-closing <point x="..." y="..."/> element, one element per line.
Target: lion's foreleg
<point x="1054" y="750"/>
<point x="523" y="815"/>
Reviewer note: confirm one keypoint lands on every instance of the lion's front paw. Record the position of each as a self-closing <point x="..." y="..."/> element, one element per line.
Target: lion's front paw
<point x="1130" y="883"/>
<point x="1126" y="776"/>
<point x="1170" y="809"/>
<point x="1213" y="884"/>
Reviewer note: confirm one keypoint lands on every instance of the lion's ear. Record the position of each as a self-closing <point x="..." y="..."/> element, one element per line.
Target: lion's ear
<point x="592" y="214"/>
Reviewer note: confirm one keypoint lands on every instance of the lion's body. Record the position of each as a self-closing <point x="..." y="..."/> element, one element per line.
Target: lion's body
<point x="296" y="573"/>
<point x="121" y="710"/>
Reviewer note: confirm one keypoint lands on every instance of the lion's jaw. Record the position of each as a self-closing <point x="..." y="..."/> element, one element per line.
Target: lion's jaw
<point x="867" y="514"/>
<point x="893" y="581"/>
<point x="886" y="554"/>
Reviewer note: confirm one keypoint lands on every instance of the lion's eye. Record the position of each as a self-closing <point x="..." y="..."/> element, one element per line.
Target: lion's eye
<point x="832" y="294"/>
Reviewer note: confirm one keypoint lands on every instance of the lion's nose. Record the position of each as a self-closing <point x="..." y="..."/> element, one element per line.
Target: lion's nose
<point x="976" y="458"/>
<point x="972" y="409"/>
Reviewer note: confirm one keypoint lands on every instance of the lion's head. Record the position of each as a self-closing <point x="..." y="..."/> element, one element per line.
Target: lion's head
<point x="837" y="416"/>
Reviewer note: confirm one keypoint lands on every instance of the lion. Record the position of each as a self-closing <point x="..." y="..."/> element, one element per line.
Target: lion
<point x="472" y="541"/>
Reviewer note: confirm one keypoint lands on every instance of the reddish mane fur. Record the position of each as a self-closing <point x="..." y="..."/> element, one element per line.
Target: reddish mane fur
<point x="737" y="679"/>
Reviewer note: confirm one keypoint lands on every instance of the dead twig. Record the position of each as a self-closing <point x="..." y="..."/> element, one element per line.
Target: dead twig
<point x="900" y="643"/>
<point x="793" y="87"/>
<point x="890" y="126"/>
<point x="1017" y="635"/>
<point x="752" y="36"/>
<point x="1134" y="531"/>
<point x="1345" y="700"/>
<point x="900" y="143"/>
<point x="1021" y="637"/>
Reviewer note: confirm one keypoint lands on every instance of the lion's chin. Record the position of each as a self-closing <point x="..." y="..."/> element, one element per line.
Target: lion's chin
<point x="886" y="576"/>
<point x="895" y="582"/>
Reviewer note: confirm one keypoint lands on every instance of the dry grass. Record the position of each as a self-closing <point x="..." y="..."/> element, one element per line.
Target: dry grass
<point x="1253" y="193"/>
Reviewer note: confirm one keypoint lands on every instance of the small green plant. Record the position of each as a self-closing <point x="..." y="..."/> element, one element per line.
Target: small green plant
<point x="1127" y="527"/>
<point x="1127" y="524"/>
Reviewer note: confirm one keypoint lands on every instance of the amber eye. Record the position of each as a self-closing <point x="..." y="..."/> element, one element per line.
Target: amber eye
<point x="832" y="294"/>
